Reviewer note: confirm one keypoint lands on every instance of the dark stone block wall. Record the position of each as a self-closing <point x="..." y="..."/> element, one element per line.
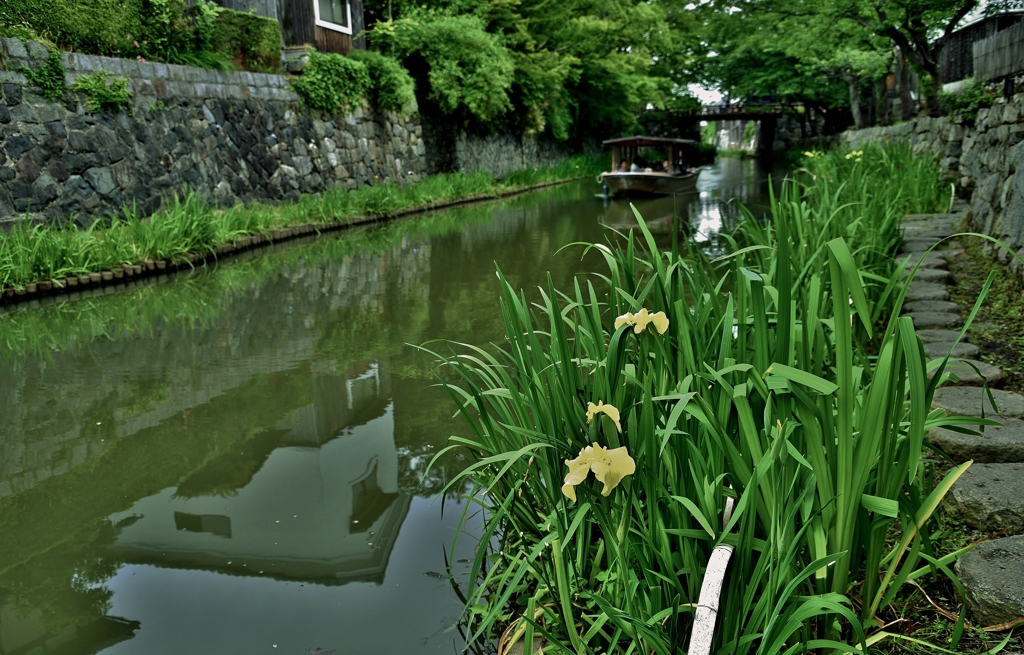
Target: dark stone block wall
<point x="231" y="137"/>
<point x="450" y="148"/>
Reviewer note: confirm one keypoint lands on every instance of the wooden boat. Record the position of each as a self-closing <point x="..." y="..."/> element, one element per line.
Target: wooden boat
<point x="650" y="182"/>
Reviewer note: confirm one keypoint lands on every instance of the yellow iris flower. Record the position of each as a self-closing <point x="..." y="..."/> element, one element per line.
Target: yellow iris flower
<point x="642" y="319"/>
<point x="601" y="408"/>
<point x="609" y="467"/>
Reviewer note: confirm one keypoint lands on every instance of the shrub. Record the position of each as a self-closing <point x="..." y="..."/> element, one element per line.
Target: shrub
<point x="467" y="68"/>
<point x="253" y="41"/>
<point x="331" y="82"/>
<point x="202" y="34"/>
<point x="391" y="86"/>
<point x="98" y="26"/>
<point x="49" y="77"/>
<point x="964" y="105"/>
<point x="101" y="95"/>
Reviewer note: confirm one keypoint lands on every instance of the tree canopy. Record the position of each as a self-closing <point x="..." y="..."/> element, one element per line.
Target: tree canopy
<point x="579" y="67"/>
<point x="568" y="68"/>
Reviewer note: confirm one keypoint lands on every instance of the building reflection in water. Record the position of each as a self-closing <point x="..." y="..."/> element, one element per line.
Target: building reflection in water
<point x="239" y="460"/>
<point x="322" y="506"/>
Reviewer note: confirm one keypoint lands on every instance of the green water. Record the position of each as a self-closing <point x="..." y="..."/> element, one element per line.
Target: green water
<point x="234" y="461"/>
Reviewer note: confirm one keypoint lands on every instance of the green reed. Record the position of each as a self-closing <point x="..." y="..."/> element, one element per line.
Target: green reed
<point x="189" y="224"/>
<point x="773" y="385"/>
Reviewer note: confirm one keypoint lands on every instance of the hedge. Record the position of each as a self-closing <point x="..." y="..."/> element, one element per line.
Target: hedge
<point x="165" y="30"/>
<point x="253" y="41"/>
<point x="92" y="26"/>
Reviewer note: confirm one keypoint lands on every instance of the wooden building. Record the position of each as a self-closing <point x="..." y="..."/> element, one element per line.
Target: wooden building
<point x="327" y="25"/>
<point x="956" y="59"/>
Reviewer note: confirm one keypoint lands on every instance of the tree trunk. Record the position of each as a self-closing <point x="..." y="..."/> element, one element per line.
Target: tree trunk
<point x="884" y="103"/>
<point x="858" y="115"/>
<point x="908" y="108"/>
<point x="872" y="113"/>
<point x="931" y="99"/>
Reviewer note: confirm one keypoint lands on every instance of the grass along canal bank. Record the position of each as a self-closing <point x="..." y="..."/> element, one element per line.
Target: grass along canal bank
<point x="47" y="259"/>
<point x="780" y="378"/>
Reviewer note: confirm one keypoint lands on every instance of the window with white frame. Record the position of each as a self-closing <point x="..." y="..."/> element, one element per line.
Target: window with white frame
<point x="334" y="15"/>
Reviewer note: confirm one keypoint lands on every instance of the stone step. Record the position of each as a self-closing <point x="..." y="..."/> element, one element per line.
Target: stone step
<point x="929" y="336"/>
<point x="929" y="274"/>
<point x="992" y="575"/>
<point x="929" y="306"/>
<point x="917" y="245"/>
<point x="966" y="373"/>
<point x="924" y="320"/>
<point x="930" y="231"/>
<point x="927" y="291"/>
<point x="931" y="260"/>
<point x="946" y="220"/>
<point x="990" y="497"/>
<point x="970" y="401"/>
<point x="938" y="349"/>
<point x="918" y="218"/>
<point x="996" y="445"/>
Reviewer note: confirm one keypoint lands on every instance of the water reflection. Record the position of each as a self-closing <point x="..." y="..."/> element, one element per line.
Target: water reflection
<point x="711" y="209"/>
<point x="238" y="458"/>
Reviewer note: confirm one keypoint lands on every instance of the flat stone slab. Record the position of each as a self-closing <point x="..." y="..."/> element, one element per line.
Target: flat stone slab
<point x="930" y="306"/>
<point x="916" y="218"/>
<point x="965" y="371"/>
<point x="917" y="245"/>
<point x="992" y="575"/>
<point x="934" y="232"/>
<point x="936" y="319"/>
<point x="931" y="260"/>
<point x="990" y="496"/>
<point x="970" y="401"/>
<point x="962" y="350"/>
<point x="920" y="290"/>
<point x="929" y="336"/>
<point x="997" y="445"/>
<point x="929" y="274"/>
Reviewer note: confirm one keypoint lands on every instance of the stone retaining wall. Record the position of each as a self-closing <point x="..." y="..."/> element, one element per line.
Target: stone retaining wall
<point x="984" y="159"/>
<point x="229" y="136"/>
<point x="450" y="148"/>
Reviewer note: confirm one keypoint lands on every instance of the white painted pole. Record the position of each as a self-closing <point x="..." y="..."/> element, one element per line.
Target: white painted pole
<point x="711" y="593"/>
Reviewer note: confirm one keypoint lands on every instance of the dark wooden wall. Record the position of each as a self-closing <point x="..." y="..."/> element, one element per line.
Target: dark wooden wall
<point x="1001" y="54"/>
<point x="299" y="27"/>
<point x="956" y="60"/>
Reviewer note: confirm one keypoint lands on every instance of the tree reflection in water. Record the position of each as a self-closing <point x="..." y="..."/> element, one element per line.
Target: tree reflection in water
<point x="263" y="423"/>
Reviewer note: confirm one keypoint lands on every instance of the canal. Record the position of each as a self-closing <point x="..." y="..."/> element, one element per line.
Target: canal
<point x="235" y="461"/>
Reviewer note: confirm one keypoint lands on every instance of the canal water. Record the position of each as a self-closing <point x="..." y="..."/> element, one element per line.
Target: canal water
<point x="235" y="461"/>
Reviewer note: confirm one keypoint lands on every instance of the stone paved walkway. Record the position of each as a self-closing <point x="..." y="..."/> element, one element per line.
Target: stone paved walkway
<point x="990" y="495"/>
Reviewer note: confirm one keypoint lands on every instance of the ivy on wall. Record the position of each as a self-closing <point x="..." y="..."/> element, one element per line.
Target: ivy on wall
<point x="105" y="93"/>
<point x="391" y="86"/>
<point x="331" y="82"/>
<point x="48" y="77"/>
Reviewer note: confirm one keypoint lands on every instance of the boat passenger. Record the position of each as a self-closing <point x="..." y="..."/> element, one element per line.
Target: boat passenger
<point x="664" y="167"/>
<point x="623" y="166"/>
<point x="635" y="167"/>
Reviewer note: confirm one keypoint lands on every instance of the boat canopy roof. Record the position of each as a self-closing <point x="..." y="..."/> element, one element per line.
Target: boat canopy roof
<point x="647" y="141"/>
